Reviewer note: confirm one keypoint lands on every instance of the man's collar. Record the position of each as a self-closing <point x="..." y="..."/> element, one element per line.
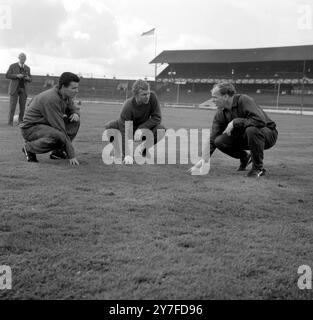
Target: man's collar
<point x="234" y="104"/>
<point x="59" y="93"/>
<point x="135" y="101"/>
<point x="235" y="101"/>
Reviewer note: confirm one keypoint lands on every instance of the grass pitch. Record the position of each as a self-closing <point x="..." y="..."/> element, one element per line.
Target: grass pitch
<point x="155" y="232"/>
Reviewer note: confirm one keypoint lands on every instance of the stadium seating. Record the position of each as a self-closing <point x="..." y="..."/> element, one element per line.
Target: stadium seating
<point x="261" y="70"/>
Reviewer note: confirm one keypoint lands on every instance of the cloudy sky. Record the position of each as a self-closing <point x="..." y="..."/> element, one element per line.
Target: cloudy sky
<point x="102" y="37"/>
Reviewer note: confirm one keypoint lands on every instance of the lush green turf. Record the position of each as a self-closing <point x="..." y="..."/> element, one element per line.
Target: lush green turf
<point x="145" y="232"/>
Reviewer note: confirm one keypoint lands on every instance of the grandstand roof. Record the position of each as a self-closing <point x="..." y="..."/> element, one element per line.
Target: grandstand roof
<point x="294" y="53"/>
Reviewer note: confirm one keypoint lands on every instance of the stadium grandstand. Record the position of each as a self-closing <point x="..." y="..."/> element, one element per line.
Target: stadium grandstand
<point x="274" y="75"/>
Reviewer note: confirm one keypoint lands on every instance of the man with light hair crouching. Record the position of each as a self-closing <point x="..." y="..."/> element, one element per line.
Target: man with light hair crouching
<point x="239" y="125"/>
<point x="143" y="109"/>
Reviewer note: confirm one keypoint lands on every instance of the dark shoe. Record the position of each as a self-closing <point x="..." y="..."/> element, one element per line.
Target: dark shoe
<point x="256" y="173"/>
<point x="30" y="157"/>
<point x="58" y="155"/>
<point x="245" y="162"/>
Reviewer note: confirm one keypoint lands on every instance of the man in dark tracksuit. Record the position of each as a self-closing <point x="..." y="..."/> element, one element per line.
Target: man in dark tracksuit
<point x="239" y="125"/>
<point x="143" y="109"/>
<point x="51" y="121"/>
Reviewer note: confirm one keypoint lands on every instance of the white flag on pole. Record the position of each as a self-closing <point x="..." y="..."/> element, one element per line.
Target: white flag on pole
<point x="148" y="33"/>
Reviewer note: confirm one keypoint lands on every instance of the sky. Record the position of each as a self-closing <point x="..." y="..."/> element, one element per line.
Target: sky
<point x="102" y="38"/>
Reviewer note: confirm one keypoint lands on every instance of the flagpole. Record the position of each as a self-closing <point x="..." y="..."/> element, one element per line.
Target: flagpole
<point x="148" y="33"/>
<point x="155" y="53"/>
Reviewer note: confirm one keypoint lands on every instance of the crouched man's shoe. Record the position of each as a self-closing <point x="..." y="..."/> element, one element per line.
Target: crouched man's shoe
<point x="256" y="173"/>
<point x="245" y="162"/>
<point x="58" y="155"/>
<point x="30" y="157"/>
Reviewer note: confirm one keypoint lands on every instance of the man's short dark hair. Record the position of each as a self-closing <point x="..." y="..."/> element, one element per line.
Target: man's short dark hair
<point x="225" y="88"/>
<point x="66" y="78"/>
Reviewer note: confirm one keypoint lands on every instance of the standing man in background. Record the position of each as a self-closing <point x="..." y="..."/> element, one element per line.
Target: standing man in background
<point x="19" y="75"/>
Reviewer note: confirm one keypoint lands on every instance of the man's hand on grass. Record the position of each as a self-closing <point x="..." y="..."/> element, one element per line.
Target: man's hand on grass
<point x="200" y="168"/>
<point x="128" y="160"/>
<point x="74" y="162"/>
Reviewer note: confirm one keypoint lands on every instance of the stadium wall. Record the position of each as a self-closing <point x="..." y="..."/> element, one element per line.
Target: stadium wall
<point x="189" y="93"/>
<point x="91" y="88"/>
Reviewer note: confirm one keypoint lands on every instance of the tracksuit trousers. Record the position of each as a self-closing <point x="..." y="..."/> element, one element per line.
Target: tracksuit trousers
<point x="254" y="139"/>
<point x="115" y="125"/>
<point x="42" y="138"/>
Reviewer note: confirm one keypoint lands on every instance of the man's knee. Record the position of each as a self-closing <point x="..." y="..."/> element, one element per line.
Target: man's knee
<point x="253" y="131"/>
<point x="56" y="140"/>
<point x="54" y="135"/>
<point x="158" y="132"/>
<point x="219" y="141"/>
<point x="13" y="101"/>
<point x="111" y="125"/>
<point x="160" y="127"/>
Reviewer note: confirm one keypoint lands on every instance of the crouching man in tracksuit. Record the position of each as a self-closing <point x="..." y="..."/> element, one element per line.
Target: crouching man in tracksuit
<point x="143" y="109"/>
<point x="51" y="122"/>
<point x="239" y="125"/>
